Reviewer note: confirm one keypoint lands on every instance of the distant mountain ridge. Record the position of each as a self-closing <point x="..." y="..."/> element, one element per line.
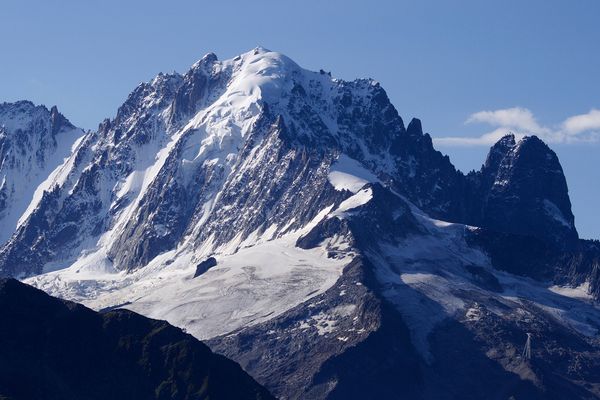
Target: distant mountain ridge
<point x="34" y="141"/>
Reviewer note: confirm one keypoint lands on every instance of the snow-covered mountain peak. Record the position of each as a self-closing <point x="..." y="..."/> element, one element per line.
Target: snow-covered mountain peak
<point x="171" y="166"/>
<point x="234" y="141"/>
<point x="243" y="87"/>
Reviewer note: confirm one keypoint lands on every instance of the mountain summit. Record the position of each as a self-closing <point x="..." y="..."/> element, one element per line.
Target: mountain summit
<point x="293" y="221"/>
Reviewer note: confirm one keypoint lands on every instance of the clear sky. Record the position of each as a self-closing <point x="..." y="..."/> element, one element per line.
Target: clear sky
<point x="471" y="70"/>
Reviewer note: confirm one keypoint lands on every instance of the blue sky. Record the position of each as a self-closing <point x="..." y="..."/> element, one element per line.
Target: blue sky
<point x="466" y="68"/>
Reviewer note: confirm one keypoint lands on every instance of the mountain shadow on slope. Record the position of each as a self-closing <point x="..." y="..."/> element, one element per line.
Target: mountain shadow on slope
<point x="54" y="349"/>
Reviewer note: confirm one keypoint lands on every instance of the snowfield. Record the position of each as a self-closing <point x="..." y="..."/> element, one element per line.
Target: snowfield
<point x="248" y="287"/>
<point x="348" y="174"/>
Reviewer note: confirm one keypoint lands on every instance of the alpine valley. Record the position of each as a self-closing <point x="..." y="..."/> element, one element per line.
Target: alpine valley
<point x="296" y="225"/>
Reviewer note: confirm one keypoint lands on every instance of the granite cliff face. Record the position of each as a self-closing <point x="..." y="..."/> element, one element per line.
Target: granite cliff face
<point x="525" y="192"/>
<point x="337" y="237"/>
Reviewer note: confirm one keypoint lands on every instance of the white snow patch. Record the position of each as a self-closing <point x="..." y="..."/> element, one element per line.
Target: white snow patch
<point x="473" y="314"/>
<point x="578" y="292"/>
<point x="326" y="322"/>
<point x="348" y="174"/>
<point x="360" y="198"/>
<point x="553" y="211"/>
